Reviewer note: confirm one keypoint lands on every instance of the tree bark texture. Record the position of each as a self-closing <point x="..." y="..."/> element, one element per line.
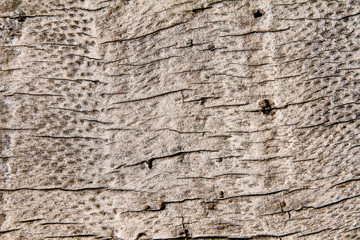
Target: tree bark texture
<point x="179" y="119"/>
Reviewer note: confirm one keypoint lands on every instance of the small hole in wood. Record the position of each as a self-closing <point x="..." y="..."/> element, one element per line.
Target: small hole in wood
<point x="221" y="194"/>
<point x="258" y="13"/>
<point x="265" y="106"/>
<point x="21" y="19"/>
<point x="149" y="162"/>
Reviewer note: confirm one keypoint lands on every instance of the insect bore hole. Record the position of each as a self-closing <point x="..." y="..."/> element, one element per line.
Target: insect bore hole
<point x="265" y="106"/>
<point x="258" y="13"/>
<point x="21" y="19"/>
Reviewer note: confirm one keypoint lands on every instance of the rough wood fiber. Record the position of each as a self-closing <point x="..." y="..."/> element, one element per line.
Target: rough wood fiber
<point x="179" y="119"/>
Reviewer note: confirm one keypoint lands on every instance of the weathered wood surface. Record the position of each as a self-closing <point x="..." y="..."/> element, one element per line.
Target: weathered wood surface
<point x="179" y="119"/>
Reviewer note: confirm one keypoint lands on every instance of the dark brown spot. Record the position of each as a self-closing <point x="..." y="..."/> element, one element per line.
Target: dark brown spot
<point x="162" y="205"/>
<point x="258" y="13"/>
<point x="211" y="47"/>
<point x="200" y="9"/>
<point x="265" y="106"/>
<point x="21" y="19"/>
<point x="142" y="234"/>
<point x="189" y="43"/>
<point x="211" y="206"/>
<point x="149" y="163"/>
<point x="221" y="194"/>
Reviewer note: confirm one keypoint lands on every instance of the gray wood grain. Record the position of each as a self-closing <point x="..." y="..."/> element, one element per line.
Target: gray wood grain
<point x="179" y="119"/>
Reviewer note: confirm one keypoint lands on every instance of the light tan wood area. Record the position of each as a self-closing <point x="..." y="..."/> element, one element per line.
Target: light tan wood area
<point x="209" y="119"/>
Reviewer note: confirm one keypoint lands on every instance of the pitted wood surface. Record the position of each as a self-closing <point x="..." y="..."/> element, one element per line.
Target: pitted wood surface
<point x="179" y="119"/>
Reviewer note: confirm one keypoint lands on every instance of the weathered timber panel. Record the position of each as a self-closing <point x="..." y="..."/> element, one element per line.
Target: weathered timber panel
<point x="179" y="119"/>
